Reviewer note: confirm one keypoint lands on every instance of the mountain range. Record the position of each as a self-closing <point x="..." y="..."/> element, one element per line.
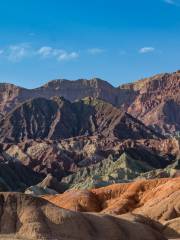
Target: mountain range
<point x="87" y="129"/>
<point x="86" y="146"/>
<point x="155" y="100"/>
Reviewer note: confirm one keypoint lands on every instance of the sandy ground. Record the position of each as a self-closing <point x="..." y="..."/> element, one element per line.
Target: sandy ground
<point x="11" y="237"/>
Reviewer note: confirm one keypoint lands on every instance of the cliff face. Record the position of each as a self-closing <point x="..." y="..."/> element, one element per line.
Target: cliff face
<point x="155" y="100"/>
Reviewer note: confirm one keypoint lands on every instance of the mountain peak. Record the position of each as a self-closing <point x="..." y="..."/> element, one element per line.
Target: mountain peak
<point x="61" y="83"/>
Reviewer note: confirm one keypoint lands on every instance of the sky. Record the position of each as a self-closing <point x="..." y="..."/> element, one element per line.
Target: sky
<point x="116" y="40"/>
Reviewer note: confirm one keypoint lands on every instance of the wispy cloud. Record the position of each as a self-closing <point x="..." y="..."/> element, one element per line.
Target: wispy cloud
<point x="59" y="54"/>
<point x="16" y="53"/>
<point x="45" y="51"/>
<point x="95" y="51"/>
<point x="68" y="56"/>
<point x="169" y="1"/>
<point x="173" y="2"/>
<point x="146" y="50"/>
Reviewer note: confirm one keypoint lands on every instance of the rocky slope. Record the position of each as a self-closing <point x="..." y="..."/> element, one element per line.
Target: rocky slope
<point x="157" y="199"/>
<point x="27" y="217"/>
<point x="65" y="157"/>
<point x="14" y="176"/>
<point x="158" y="101"/>
<point x="57" y="119"/>
<point x="155" y="100"/>
<point x="88" y="143"/>
<point x="125" y="169"/>
<point x="62" y="138"/>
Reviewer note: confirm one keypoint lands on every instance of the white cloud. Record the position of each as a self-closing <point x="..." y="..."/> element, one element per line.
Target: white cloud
<point x="146" y="50"/>
<point x="95" y="51"/>
<point x="16" y="53"/>
<point x="68" y="56"/>
<point x="45" y="51"/>
<point x="59" y="54"/>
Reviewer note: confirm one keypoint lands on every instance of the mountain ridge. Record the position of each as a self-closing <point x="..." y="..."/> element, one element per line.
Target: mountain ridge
<point x="155" y="100"/>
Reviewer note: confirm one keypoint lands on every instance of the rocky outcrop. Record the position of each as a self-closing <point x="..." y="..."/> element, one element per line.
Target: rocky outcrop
<point x="49" y="185"/>
<point x="51" y="182"/>
<point x="157" y="199"/>
<point x="24" y="216"/>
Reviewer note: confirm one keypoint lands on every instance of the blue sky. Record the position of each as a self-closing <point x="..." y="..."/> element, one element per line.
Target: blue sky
<point x="117" y="40"/>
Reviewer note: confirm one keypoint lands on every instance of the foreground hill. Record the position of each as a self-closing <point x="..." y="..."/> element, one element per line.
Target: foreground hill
<point x="27" y="217"/>
<point x="157" y="199"/>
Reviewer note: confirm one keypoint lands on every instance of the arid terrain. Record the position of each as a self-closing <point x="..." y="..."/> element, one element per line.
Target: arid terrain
<point x="85" y="160"/>
<point x="157" y="199"/>
<point x="35" y="218"/>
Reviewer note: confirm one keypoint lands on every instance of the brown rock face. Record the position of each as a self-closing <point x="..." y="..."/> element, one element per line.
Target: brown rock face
<point x="157" y="199"/>
<point x="29" y="217"/>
